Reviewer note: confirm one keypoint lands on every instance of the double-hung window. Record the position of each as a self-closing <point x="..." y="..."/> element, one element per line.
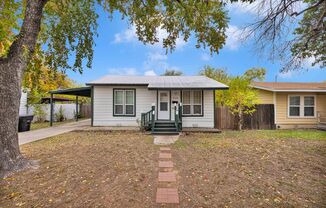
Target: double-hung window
<point x="192" y="102"/>
<point x="124" y="102"/>
<point x="302" y="106"/>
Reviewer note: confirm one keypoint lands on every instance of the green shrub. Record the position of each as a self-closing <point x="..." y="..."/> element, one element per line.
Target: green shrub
<point x="39" y="113"/>
<point x="60" y="116"/>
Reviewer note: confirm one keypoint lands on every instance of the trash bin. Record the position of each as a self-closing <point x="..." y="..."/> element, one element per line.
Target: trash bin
<point x="25" y="123"/>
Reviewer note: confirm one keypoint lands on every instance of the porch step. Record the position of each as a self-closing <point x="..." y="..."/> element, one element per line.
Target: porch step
<point x="165" y="125"/>
<point x="165" y="128"/>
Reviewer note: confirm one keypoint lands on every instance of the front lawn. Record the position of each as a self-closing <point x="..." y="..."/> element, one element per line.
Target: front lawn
<point x="120" y="169"/>
<point x="85" y="169"/>
<point x="252" y="169"/>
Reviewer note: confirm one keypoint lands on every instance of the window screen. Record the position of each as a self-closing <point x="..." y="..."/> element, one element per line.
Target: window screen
<point x="192" y="102"/>
<point x="124" y="102"/>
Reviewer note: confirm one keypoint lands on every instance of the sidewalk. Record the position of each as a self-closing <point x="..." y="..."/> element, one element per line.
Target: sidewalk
<point x="34" y="135"/>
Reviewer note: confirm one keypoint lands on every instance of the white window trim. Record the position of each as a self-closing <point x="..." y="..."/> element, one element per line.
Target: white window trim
<point x="191" y="104"/>
<point x="124" y="103"/>
<point x="301" y="107"/>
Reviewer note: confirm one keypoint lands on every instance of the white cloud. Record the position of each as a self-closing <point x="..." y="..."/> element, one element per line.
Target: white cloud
<point x="150" y="73"/>
<point x="162" y="34"/>
<point x="235" y="37"/>
<point x="205" y="57"/>
<point x="123" y="71"/>
<point x="129" y="35"/>
<point x="157" y="56"/>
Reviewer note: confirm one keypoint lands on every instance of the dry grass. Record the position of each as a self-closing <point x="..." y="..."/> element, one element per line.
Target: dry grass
<point x="252" y="169"/>
<point x="119" y="169"/>
<point x="86" y="169"/>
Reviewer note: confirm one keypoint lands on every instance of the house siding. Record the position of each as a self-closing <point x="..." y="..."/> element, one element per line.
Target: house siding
<point x="284" y="121"/>
<point x="265" y="97"/>
<point x="207" y="120"/>
<point x="103" y="108"/>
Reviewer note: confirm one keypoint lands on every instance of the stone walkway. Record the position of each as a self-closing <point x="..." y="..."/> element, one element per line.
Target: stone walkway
<point x="167" y="191"/>
<point x="34" y="135"/>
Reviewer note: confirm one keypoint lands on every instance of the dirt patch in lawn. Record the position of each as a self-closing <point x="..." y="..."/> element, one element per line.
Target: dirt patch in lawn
<point x="246" y="170"/>
<point x="86" y="169"/>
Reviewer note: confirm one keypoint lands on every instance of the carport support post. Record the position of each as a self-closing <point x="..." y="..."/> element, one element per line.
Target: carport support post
<point x="51" y="110"/>
<point x="76" y="108"/>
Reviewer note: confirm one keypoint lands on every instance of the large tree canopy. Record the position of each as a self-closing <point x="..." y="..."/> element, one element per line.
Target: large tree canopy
<point x="69" y="26"/>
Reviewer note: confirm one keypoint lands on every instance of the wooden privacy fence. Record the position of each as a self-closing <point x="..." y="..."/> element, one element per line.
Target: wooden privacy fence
<point x="85" y="110"/>
<point x="262" y="118"/>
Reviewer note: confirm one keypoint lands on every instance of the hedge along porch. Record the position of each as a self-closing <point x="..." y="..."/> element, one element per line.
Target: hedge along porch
<point x="81" y="91"/>
<point x="124" y="100"/>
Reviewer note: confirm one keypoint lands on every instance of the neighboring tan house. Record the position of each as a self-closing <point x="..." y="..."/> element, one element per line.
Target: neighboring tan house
<point x="296" y="105"/>
<point x="128" y="101"/>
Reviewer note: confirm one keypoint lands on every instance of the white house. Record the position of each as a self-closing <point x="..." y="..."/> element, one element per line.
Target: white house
<point x="125" y="100"/>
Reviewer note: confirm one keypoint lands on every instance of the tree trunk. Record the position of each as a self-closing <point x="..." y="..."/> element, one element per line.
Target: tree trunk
<point x="11" y="72"/>
<point x="240" y="120"/>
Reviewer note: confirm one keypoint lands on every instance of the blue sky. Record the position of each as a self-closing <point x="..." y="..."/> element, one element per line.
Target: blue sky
<point x="118" y="52"/>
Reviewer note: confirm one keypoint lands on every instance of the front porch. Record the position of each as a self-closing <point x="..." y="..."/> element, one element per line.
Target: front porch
<point x="150" y="121"/>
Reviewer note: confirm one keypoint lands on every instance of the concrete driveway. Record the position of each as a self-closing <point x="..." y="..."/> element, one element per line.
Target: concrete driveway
<point x="34" y="135"/>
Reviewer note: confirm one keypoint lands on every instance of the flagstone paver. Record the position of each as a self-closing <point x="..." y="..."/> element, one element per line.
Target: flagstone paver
<point x="165" y="148"/>
<point x="167" y="195"/>
<point x="167" y="177"/>
<point x="165" y="164"/>
<point x="167" y="192"/>
<point x="165" y="155"/>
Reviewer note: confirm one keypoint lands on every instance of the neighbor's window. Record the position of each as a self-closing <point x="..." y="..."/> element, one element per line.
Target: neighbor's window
<point x="192" y="102"/>
<point x="124" y="102"/>
<point x="309" y="106"/>
<point x="301" y="106"/>
<point x="294" y="106"/>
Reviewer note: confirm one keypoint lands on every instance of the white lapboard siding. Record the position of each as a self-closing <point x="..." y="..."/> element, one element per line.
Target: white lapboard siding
<point x="103" y="105"/>
<point x="207" y="120"/>
<point x="23" y="103"/>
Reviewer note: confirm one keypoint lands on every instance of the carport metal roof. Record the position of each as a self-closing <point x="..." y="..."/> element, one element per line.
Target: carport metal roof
<point x="79" y="91"/>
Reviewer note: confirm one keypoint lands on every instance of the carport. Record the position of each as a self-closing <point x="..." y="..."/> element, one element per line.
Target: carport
<point x="80" y="91"/>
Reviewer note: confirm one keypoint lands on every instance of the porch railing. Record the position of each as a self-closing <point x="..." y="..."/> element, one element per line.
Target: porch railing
<point x="148" y="119"/>
<point x="178" y="116"/>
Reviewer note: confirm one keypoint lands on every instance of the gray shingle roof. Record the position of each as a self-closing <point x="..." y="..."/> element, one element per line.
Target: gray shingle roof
<point x="159" y="82"/>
